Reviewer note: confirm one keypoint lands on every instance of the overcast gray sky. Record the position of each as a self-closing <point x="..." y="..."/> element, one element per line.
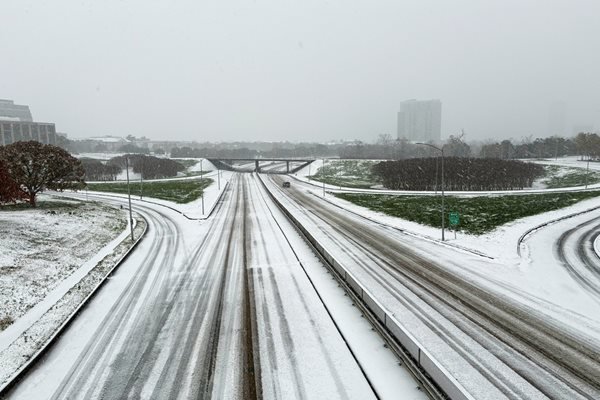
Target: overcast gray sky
<point x="300" y="70"/>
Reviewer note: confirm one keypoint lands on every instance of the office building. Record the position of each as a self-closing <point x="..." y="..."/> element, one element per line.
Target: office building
<point x="14" y="112"/>
<point x="16" y="124"/>
<point x="14" y="131"/>
<point x="420" y="121"/>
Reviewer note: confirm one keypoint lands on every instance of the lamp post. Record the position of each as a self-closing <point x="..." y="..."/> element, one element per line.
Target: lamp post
<point x="587" y="172"/>
<point x="142" y="178"/>
<point x="441" y="150"/>
<point x="201" y="191"/>
<point x="323" y="177"/>
<point x="129" y="197"/>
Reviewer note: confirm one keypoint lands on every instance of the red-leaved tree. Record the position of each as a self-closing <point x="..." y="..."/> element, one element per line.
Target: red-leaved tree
<point x="36" y="167"/>
<point x="9" y="189"/>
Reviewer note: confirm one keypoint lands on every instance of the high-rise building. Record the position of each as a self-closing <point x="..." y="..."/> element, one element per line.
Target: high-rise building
<point x="11" y="111"/>
<point x="420" y="121"/>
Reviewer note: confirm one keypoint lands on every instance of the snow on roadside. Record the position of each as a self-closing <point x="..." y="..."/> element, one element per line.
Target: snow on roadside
<point x="41" y="247"/>
<point x="14" y="354"/>
<point x="52" y="258"/>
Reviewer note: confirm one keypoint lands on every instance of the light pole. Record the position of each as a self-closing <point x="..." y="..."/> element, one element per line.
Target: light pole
<point x="587" y="172"/>
<point x="201" y="191"/>
<point x="129" y="196"/>
<point x="323" y="178"/>
<point x="441" y="150"/>
<point x="142" y="178"/>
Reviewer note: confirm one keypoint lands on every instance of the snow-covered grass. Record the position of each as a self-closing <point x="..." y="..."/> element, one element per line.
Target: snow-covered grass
<point x="478" y="215"/>
<point x="562" y="177"/>
<point x="41" y="247"/>
<point x="38" y="326"/>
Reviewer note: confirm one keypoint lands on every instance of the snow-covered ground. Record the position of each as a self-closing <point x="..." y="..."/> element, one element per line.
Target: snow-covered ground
<point x="40" y="247"/>
<point x="50" y="264"/>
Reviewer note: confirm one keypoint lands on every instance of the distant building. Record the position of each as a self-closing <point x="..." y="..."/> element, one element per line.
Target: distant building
<point x="420" y="121"/>
<point x="16" y="124"/>
<point x="14" y="131"/>
<point x="108" y="143"/>
<point x="14" y="112"/>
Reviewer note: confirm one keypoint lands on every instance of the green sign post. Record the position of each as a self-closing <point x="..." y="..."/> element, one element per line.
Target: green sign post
<point x="454" y="218"/>
<point x="454" y="221"/>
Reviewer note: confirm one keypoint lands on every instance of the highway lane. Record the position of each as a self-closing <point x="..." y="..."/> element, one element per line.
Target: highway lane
<point x="213" y="309"/>
<point x="494" y="346"/>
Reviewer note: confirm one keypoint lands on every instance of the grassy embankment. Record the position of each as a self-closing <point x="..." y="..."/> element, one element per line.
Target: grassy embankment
<point x="347" y="173"/>
<point x="478" y="215"/>
<point x="178" y="191"/>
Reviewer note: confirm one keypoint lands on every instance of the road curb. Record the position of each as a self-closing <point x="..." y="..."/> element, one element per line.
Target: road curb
<point x="540" y="226"/>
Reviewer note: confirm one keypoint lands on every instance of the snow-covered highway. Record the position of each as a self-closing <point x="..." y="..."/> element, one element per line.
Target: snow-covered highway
<point x="494" y="346"/>
<point x="211" y="309"/>
<point x="235" y="306"/>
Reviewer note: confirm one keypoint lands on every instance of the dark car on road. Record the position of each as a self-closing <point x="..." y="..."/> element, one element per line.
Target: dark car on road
<point x="286" y="184"/>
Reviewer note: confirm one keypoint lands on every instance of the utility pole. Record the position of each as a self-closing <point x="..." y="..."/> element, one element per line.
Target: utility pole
<point x="129" y="197"/>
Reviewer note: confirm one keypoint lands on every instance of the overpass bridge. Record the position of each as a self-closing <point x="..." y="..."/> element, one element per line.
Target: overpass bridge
<point x="228" y="164"/>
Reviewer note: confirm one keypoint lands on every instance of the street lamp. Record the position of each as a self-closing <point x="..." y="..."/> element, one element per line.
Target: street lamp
<point x="323" y="177"/>
<point x="441" y="150"/>
<point x="201" y="190"/>
<point x="587" y="172"/>
<point x="129" y="196"/>
<point x="142" y="178"/>
<point x="218" y="178"/>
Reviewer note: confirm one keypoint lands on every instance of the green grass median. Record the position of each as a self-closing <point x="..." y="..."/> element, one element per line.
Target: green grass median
<point x="178" y="191"/>
<point x="478" y="215"/>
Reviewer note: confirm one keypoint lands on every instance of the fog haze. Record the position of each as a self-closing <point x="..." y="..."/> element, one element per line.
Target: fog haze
<point x="301" y="70"/>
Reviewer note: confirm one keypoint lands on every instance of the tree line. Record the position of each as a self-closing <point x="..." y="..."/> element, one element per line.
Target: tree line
<point x="387" y="148"/>
<point x="460" y="174"/>
<point x="149" y="167"/>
